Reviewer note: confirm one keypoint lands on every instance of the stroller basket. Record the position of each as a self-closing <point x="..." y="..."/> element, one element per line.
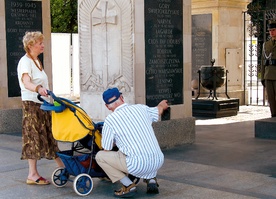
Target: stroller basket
<point x="73" y="163"/>
<point x="78" y="164"/>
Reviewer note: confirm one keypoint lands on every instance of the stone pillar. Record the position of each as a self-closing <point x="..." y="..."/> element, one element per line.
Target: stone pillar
<point x="112" y="54"/>
<point x="11" y="50"/>
<point x="227" y="39"/>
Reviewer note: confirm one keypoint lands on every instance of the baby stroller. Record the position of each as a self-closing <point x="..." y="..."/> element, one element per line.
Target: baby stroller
<point x="71" y="124"/>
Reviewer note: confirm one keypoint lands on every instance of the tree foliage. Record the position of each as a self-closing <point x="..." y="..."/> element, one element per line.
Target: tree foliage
<point x="260" y="12"/>
<point x="64" y="16"/>
<point x="256" y="11"/>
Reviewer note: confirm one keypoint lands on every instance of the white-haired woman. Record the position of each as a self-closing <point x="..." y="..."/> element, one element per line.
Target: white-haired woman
<point x="37" y="138"/>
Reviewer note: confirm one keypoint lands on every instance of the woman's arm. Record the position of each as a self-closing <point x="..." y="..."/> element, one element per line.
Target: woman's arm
<point x="32" y="87"/>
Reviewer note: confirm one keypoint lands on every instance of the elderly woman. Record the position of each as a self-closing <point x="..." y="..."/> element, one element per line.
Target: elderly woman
<point x="37" y="138"/>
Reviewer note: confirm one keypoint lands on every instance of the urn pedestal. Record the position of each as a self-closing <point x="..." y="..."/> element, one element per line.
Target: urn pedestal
<point x="211" y="78"/>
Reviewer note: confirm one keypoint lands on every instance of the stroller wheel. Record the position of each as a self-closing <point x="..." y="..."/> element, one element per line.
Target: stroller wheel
<point x="83" y="184"/>
<point x="60" y="177"/>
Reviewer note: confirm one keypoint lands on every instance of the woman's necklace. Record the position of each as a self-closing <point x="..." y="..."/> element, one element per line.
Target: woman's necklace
<point x="39" y="67"/>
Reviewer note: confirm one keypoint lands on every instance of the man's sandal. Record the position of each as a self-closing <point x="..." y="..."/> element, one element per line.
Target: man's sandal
<point x="134" y="179"/>
<point x="126" y="192"/>
<point x="152" y="187"/>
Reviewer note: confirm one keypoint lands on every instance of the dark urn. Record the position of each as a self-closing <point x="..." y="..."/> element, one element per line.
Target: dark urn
<point x="212" y="77"/>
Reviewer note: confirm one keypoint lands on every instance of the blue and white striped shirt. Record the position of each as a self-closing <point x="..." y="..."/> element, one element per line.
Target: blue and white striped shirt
<point x="130" y="128"/>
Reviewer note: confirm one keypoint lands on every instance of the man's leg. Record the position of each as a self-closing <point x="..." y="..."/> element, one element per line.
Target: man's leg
<point x="273" y="108"/>
<point x="152" y="186"/>
<point x="134" y="179"/>
<point x="113" y="163"/>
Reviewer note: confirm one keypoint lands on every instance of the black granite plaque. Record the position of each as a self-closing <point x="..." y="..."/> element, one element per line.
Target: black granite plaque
<point x="164" y="51"/>
<point x="21" y="16"/>
<point x="201" y="42"/>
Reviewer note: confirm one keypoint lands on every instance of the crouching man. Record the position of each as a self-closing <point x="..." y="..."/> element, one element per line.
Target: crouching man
<point x="129" y="127"/>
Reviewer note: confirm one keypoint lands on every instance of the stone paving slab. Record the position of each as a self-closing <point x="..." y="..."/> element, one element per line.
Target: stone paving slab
<point x="225" y="162"/>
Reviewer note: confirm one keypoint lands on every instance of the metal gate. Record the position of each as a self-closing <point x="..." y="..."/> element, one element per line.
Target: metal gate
<point x="255" y="33"/>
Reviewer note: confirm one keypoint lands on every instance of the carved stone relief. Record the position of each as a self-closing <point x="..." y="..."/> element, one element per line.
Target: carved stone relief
<point x="106" y="44"/>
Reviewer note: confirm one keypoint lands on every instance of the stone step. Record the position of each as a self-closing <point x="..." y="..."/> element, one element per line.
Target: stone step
<point x="265" y="128"/>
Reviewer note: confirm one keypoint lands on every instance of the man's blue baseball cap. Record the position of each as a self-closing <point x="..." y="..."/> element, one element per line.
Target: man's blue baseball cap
<point x="111" y="93"/>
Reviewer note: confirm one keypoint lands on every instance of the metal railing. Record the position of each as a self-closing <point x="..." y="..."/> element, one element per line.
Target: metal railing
<point x="255" y="33"/>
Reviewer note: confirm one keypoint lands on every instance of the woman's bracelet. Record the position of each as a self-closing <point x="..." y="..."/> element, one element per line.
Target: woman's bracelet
<point x="37" y="88"/>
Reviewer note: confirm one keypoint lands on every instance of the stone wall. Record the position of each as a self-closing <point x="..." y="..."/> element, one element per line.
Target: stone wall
<point x="227" y="39"/>
<point x="180" y="129"/>
<point x="10" y="107"/>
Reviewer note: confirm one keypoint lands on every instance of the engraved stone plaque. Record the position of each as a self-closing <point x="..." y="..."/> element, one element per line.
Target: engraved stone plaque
<point x="21" y="16"/>
<point x="164" y="51"/>
<point x="201" y="42"/>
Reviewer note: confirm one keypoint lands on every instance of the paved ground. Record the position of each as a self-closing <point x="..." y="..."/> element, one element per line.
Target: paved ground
<point x="226" y="161"/>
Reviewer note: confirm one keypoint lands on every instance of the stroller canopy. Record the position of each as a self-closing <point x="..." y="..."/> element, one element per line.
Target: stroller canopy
<point x="70" y="123"/>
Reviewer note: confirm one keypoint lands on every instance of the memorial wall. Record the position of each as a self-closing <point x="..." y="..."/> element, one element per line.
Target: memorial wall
<point x="143" y="47"/>
<point x="17" y="17"/>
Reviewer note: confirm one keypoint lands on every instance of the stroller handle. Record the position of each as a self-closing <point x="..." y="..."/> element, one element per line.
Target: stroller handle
<point x="49" y="93"/>
<point x="49" y="106"/>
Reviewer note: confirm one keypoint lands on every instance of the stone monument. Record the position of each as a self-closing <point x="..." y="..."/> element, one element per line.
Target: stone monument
<point x="226" y="39"/>
<point x="17" y="17"/>
<point x="221" y="26"/>
<point x="143" y="48"/>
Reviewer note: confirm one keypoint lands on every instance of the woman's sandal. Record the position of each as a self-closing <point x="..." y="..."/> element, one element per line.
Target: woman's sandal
<point x="39" y="181"/>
